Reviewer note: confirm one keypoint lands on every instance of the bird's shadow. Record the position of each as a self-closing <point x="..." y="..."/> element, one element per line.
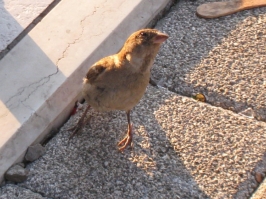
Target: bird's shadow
<point x="176" y="154"/>
<point x="151" y="169"/>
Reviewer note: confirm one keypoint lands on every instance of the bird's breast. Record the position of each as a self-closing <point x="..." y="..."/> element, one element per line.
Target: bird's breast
<point x="122" y="94"/>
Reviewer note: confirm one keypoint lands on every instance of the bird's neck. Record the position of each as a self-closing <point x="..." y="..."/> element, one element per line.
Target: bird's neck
<point x="139" y="60"/>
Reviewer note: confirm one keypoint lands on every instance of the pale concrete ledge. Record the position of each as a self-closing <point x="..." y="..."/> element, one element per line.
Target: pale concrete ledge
<point x="41" y="76"/>
<point x="261" y="191"/>
<point x="16" y="16"/>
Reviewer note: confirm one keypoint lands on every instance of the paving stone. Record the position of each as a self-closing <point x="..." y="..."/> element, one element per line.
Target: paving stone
<point x="34" y="152"/>
<point x="223" y="58"/>
<point x="16" y="173"/>
<point x="182" y="149"/>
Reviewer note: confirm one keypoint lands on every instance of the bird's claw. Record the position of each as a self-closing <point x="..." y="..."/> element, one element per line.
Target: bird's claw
<point x="71" y="129"/>
<point x="76" y="129"/>
<point x="124" y="143"/>
<point x="127" y="140"/>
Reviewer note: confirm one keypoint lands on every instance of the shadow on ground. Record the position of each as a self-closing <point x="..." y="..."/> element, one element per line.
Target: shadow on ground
<point x="90" y="166"/>
<point x="223" y="58"/>
<point x="182" y="149"/>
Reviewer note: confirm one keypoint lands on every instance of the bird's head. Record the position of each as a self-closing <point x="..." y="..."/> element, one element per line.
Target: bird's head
<point x="142" y="46"/>
<point x="145" y="38"/>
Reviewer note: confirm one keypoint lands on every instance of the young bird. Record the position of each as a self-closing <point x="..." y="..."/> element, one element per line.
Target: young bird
<point x="118" y="82"/>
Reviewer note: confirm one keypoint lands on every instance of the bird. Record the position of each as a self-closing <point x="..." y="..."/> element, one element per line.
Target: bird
<point x="118" y="82"/>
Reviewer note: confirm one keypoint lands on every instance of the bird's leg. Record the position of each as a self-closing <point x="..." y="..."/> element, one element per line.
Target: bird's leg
<point x="80" y="123"/>
<point x="128" y="138"/>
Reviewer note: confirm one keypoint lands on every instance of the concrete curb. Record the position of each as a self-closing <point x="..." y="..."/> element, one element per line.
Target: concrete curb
<point x="41" y="76"/>
<point x="260" y="193"/>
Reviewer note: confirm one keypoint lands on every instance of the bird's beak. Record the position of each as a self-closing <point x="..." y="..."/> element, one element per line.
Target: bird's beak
<point x="160" y="38"/>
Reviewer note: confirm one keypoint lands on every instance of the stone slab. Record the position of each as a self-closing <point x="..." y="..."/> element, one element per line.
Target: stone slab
<point x="16" y="15"/>
<point x="41" y="76"/>
<point x="182" y="149"/>
<point x="223" y="58"/>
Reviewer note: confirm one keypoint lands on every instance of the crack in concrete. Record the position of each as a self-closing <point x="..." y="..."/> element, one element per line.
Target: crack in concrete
<point x="9" y="103"/>
<point x="27" y="106"/>
<point x="21" y="90"/>
<point x="80" y="35"/>
<point x="38" y="86"/>
<point x="28" y="28"/>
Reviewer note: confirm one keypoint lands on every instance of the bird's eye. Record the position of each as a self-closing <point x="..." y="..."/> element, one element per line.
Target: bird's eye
<point x="143" y="34"/>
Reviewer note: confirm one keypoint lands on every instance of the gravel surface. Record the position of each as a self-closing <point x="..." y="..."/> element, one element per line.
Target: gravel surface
<point x="16" y="192"/>
<point x="223" y="58"/>
<point x="182" y="149"/>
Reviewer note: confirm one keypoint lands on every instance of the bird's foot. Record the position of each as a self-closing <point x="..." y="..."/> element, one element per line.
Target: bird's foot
<point x="127" y="140"/>
<point x="76" y="129"/>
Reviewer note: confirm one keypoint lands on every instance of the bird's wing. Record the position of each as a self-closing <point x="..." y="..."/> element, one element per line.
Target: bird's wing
<point x="101" y="68"/>
<point x="94" y="72"/>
